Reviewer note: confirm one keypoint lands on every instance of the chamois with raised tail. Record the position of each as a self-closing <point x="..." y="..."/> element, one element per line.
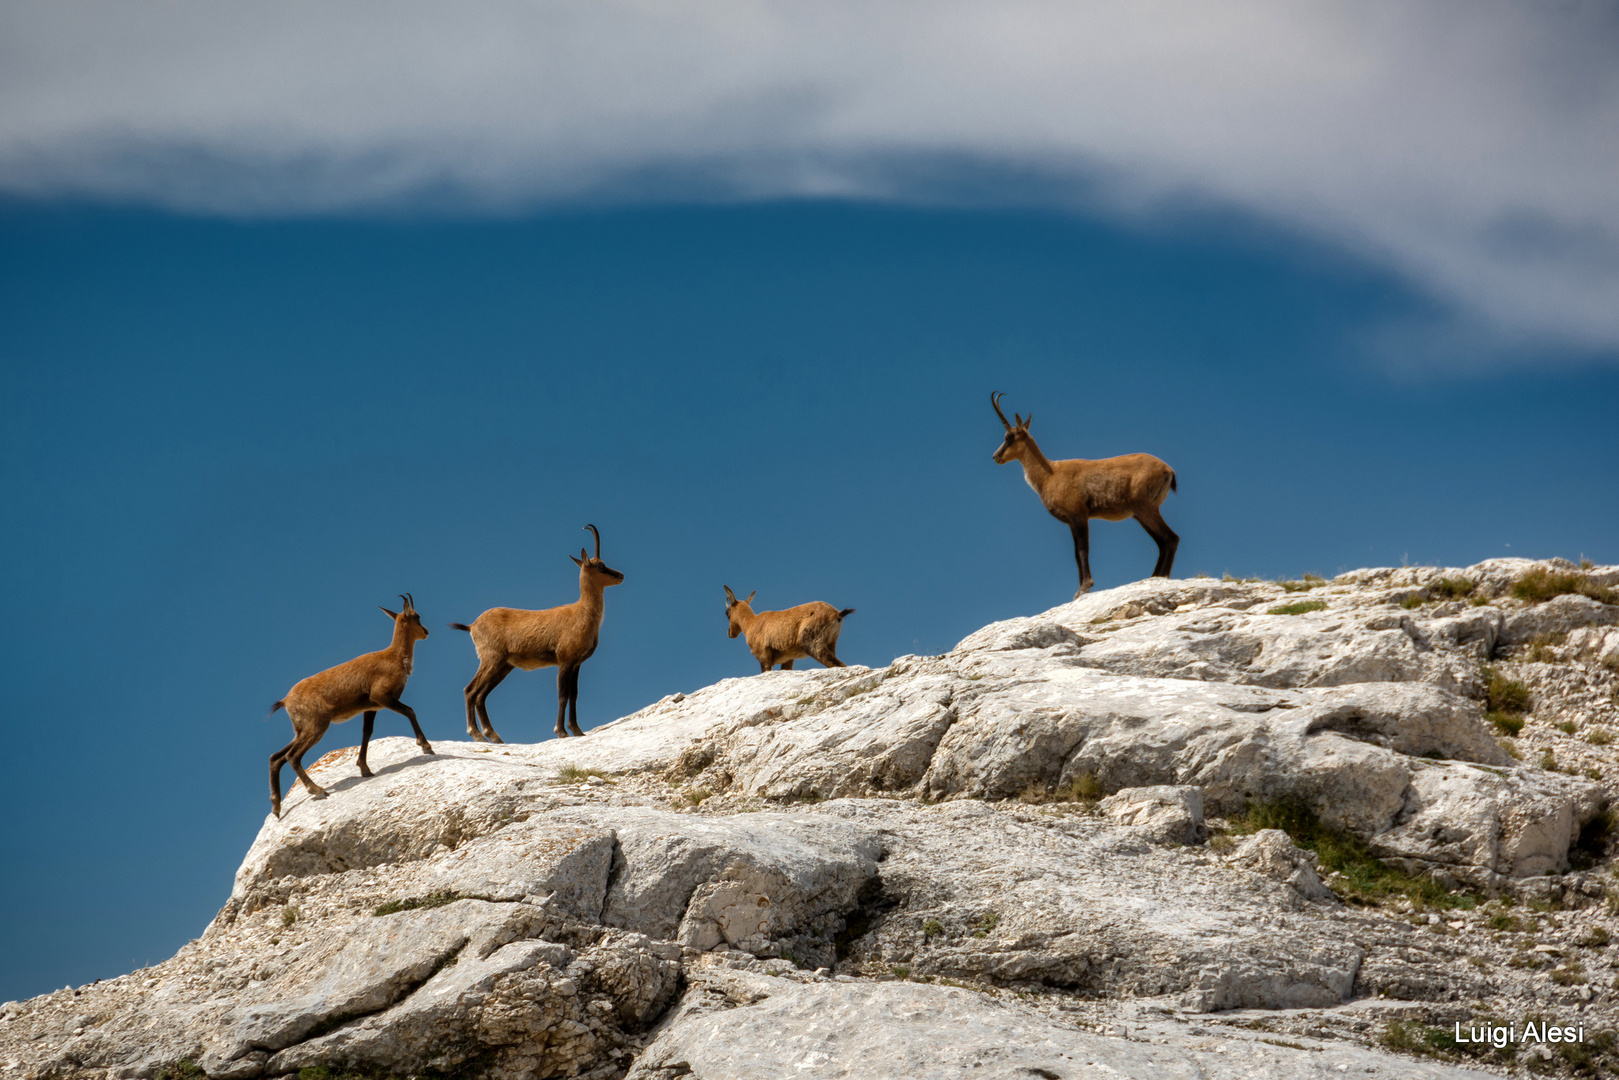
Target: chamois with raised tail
<point x="1075" y="491"/>
<point x="564" y="637"/>
<point x="363" y="685"/>
<point x="780" y="637"/>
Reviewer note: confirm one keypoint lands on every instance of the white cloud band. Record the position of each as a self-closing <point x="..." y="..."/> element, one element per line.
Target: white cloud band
<point x="1472" y="147"/>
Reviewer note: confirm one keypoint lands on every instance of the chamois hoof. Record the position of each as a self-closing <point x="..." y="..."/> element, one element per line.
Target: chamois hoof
<point x="1083" y="589"/>
<point x="317" y="793"/>
<point x="366" y="771"/>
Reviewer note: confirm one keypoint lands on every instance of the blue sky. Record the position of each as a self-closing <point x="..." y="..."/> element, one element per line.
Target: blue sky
<point x="262" y="373"/>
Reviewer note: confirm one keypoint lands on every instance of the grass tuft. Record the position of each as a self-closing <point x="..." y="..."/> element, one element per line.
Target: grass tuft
<point x="1507" y="723"/>
<point x="1298" y="607"/>
<point x="1362" y="877"/>
<point x="573" y="774"/>
<point x="1541" y="584"/>
<point x="1502" y="694"/>
<point x="1452" y="588"/>
<point x="1598" y="736"/>
<point x="431" y="900"/>
<point x="184" y="1069"/>
<point x="1540" y="647"/>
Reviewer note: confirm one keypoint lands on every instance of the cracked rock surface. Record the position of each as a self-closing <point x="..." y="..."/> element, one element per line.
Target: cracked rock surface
<point x="1012" y="860"/>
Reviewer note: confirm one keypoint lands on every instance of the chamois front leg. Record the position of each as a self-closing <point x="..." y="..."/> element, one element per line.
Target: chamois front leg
<point x="409" y="714"/>
<point x="365" y="740"/>
<point x="573" y="703"/>
<point x="1082" y="554"/>
<point x="786" y="665"/>
<point x="567" y="683"/>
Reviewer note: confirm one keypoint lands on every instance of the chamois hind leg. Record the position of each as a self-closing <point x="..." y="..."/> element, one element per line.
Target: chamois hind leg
<point x="786" y="665"/>
<point x="573" y="703"/>
<point x="278" y="759"/>
<point x="489" y="675"/>
<point x="1082" y="554"/>
<point x="301" y="746"/>
<point x="365" y="740"/>
<point x="1164" y="536"/>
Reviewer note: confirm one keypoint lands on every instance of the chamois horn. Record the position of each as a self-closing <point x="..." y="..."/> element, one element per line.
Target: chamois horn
<point x="410" y="602"/>
<point x="598" y="537"/>
<point x="994" y="400"/>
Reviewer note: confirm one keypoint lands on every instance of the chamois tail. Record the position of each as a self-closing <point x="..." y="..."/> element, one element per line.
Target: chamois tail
<point x="845" y="613"/>
<point x="460" y="626"/>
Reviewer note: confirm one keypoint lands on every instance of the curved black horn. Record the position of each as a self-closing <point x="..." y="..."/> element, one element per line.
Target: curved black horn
<point x="995" y="400"/>
<point x="410" y="605"/>
<point x="598" y="537"/>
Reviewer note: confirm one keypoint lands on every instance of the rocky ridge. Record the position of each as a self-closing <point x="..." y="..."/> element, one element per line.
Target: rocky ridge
<point x="1038" y="854"/>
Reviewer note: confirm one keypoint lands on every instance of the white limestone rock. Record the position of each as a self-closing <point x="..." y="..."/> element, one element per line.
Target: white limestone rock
<point x="1272" y="853"/>
<point x="1166" y="814"/>
<point x="737" y="1026"/>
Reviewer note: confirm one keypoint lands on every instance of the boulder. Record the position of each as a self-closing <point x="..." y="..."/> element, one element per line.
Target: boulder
<point x="1167" y="815"/>
<point x="1272" y="853"/>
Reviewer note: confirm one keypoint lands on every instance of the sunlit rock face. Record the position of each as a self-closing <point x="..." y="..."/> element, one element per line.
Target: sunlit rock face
<point x="1014" y="859"/>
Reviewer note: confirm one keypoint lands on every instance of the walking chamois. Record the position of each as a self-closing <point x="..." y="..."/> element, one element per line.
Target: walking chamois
<point x="365" y="684"/>
<point x="780" y="637"/>
<point x="1075" y="491"/>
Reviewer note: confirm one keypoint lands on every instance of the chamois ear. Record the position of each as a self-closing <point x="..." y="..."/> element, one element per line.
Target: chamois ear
<point x="577" y="562"/>
<point x="751" y="595"/>
<point x="385" y="611"/>
<point x="730" y="597"/>
<point x="1027" y="421"/>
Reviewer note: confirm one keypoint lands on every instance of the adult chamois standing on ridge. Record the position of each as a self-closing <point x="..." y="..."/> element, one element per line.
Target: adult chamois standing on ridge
<point x="1076" y="490"/>
<point x="565" y="636"/>
<point x="780" y="637"/>
<point x="365" y="684"/>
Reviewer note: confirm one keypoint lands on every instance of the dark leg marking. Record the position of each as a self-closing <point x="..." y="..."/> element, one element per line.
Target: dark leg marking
<point x="365" y="740"/>
<point x="1082" y="554"/>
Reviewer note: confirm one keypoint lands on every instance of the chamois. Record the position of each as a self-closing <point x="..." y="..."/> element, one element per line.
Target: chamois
<point x="565" y="636"/>
<point x="1074" y="491"/>
<point x="780" y="637"/>
<point x="365" y="684"/>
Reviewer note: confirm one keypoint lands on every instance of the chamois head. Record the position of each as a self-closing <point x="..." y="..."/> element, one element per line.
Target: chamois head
<point x="731" y="606"/>
<point x="412" y="622"/>
<point x="1017" y="436"/>
<point x="591" y="567"/>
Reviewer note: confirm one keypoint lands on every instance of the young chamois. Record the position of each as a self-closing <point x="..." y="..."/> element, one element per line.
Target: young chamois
<point x="780" y="637"/>
<point x="365" y="684"/>
<point x="1077" y="490"/>
<point x="565" y="636"/>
